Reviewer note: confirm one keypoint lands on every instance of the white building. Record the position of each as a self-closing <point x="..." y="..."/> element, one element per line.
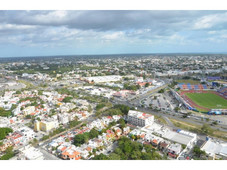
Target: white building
<point x="212" y="148"/>
<point x="63" y="118"/>
<point x="139" y="118"/>
<point x="175" y="148"/>
<point x="139" y="79"/>
<point x="28" y="110"/>
<point x="31" y="153"/>
<point x="103" y="79"/>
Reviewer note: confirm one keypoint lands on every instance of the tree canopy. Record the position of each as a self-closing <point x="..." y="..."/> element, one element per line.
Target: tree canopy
<point x="5" y="113"/>
<point x="130" y="150"/>
<point x="83" y="138"/>
<point x="9" y="154"/>
<point x="4" y="132"/>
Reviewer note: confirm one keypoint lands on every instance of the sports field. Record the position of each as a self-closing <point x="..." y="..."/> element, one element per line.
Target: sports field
<point x="207" y="100"/>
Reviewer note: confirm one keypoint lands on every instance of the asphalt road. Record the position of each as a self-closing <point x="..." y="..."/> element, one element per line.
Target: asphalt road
<point x="176" y="116"/>
<point x="143" y="96"/>
<point x="47" y="155"/>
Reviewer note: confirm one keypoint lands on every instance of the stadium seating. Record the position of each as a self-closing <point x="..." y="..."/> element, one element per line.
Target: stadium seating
<point x="189" y="86"/>
<point x="223" y="91"/>
<point x="204" y="86"/>
<point x="196" y="87"/>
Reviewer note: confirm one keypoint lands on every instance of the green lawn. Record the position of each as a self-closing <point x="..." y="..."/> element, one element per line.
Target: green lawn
<point x="208" y="100"/>
<point x="188" y="81"/>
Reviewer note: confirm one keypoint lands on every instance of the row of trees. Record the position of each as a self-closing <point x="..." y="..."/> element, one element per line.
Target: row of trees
<point x="130" y="150"/>
<point x="74" y="123"/>
<point x="54" y="132"/>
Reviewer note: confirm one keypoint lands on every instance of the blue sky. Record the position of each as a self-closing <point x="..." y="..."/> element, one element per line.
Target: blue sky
<point x="37" y="33"/>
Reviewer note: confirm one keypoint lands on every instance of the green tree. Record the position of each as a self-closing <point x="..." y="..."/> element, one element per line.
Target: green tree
<point x="93" y="134"/>
<point x="198" y="152"/>
<point x="4" y="132"/>
<point x="147" y="85"/>
<point x="114" y="156"/>
<point x="122" y="123"/>
<point x="40" y="92"/>
<point x="100" y="157"/>
<point x="206" y="129"/>
<point x="8" y="154"/>
<point x="79" y="139"/>
<point x="124" y="109"/>
<point x="18" y="92"/>
<point x="5" y="113"/>
<point x="67" y="99"/>
<point x="177" y="109"/>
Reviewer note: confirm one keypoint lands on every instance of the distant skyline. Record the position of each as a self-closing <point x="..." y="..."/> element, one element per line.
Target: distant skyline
<point x="46" y="33"/>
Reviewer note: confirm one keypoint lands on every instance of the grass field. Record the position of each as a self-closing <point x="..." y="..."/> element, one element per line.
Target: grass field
<point x="188" y="81"/>
<point x="208" y="100"/>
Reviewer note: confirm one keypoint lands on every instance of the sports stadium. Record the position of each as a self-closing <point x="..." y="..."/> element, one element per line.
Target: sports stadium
<point x="200" y="98"/>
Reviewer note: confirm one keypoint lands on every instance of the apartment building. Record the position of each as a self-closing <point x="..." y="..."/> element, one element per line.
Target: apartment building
<point x="139" y="118"/>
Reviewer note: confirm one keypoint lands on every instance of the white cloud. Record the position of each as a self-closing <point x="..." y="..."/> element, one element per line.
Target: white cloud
<point x="53" y="16"/>
<point x="212" y="32"/>
<point x="210" y="20"/>
<point x="15" y="27"/>
<point x="113" y="36"/>
<point x="224" y="36"/>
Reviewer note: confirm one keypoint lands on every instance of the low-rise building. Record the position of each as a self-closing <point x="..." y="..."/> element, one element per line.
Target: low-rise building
<point x="215" y="148"/>
<point x="174" y="150"/>
<point x="28" y="110"/>
<point x="30" y="153"/>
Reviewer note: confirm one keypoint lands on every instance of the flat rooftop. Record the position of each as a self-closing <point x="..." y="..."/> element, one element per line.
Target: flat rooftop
<point x="138" y="114"/>
<point x="177" y="137"/>
<point x="213" y="147"/>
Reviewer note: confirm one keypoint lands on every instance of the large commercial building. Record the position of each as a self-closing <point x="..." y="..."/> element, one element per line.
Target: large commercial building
<point x="103" y="79"/>
<point x="139" y="118"/>
<point x="215" y="148"/>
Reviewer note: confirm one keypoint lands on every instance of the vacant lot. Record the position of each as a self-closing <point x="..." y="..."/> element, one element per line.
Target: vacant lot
<point x="197" y="129"/>
<point x="208" y="100"/>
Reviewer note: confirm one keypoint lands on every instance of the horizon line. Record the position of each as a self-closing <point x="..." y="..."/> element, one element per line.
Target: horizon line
<point x="218" y="53"/>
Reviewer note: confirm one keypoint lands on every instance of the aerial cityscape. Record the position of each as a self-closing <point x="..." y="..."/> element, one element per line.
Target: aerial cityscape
<point x="148" y="100"/>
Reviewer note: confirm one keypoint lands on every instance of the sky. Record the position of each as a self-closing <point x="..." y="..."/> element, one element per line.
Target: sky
<point x="43" y="33"/>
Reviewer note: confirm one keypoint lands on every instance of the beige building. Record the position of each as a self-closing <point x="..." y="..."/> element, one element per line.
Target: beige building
<point x="45" y="126"/>
<point x="28" y="110"/>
